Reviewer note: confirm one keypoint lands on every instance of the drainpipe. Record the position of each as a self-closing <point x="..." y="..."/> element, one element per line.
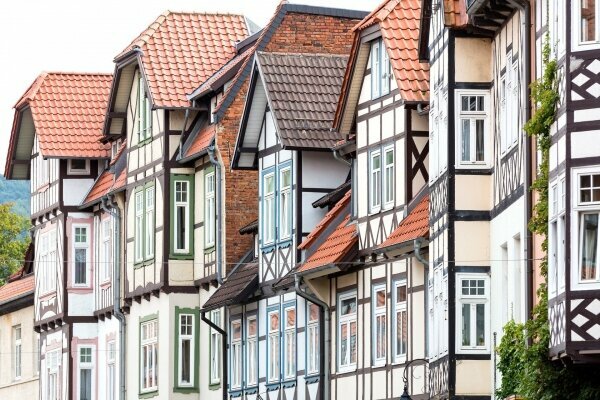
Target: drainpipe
<point x="219" y="242"/>
<point x="115" y="212"/>
<point x="418" y="246"/>
<point x="324" y="361"/>
<point x="223" y="334"/>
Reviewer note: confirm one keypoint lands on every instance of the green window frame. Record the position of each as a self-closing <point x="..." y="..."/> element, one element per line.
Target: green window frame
<point x="193" y="339"/>
<point x="210" y="199"/>
<point x="182" y="216"/>
<point x="144" y="221"/>
<point x="144" y="112"/>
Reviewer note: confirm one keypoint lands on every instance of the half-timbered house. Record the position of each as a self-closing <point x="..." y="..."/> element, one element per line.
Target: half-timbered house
<point x="55" y="144"/>
<point x="284" y="135"/>
<point x="366" y="259"/>
<point x="478" y="183"/>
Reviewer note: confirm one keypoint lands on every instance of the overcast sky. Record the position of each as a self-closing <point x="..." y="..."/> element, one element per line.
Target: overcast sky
<point x="84" y="36"/>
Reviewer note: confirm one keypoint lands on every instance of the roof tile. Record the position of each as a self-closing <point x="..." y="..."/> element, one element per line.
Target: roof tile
<point x="241" y="281"/>
<point x="415" y="225"/>
<point x="18" y="288"/>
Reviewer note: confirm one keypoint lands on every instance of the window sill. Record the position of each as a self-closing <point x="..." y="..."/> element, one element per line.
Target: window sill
<point x="313" y="378"/>
<point x="181" y="256"/>
<point x="269" y="248"/>
<point x="378" y="365"/>
<point x="209" y="249"/>
<point x="144" y="263"/>
<point x="106" y="284"/>
<point x="236" y="393"/>
<point x="251" y="389"/>
<point x="214" y="386"/>
<point x="475" y="165"/>
<point x="186" y="389"/>
<point x="273" y="386"/>
<point x="284" y="243"/>
<point x="148" y="394"/>
<point x="345" y="370"/>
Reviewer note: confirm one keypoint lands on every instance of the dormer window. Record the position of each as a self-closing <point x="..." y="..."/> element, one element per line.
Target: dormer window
<point x="78" y="166"/>
<point x="144" y="110"/>
<point x="380" y="70"/>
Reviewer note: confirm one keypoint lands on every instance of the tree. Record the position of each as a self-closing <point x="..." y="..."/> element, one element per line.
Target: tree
<point x="13" y="241"/>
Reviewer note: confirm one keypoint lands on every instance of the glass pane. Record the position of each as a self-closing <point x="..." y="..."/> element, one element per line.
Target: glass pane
<point x="274" y="322"/>
<point x="344" y="344"/>
<point x="585" y="181"/>
<point x="585" y="195"/>
<point x="479" y="132"/>
<point x="380" y="351"/>
<point x="466" y="324"/>
<point x="186" y="351"/>
<point x="465" y="103"/>
<point x="353" y="343"/>
<point x="380" y="295"/>
<point x="466" y="140"/>
<point x="290" y="320"/>
<point x="589" y="246"/>
<point x="596" y="180"/>
<point x="348" y="306"/>
<point x="313" y="314"/>
<point x="85" y="384"/>
<point x="480" y="105"/>
<point x="588" y="20"/>
<point x="181" y="225"/>
<point x="376" y="162"/>
<point x="480" y="328"/>
<point x="389" y="157"/>
<point x="252" y="327"/>
<point x="237" y="330"/>
<point x="285" y="178"/>
<point x="80" y="266"/>
<point x="269" y="184"/>
<point x="596" y="195"/>
<point x="401" y="293"/>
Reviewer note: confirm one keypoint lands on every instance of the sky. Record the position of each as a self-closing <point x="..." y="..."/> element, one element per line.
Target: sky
<point x="85" y="36"/>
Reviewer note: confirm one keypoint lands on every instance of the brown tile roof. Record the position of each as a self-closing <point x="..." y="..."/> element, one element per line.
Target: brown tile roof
<point x="16" y="289"/>
<point x="252" y="227"/>
<point x="105" y="184"/>
<point x="337" y="245"/>
<point x="68" y="114"/>
<point x="240" y="283"/>
<point x="201" y="141"/>
<point x="415" y="225"/>
<point x="303" y="90"/>
<point x="455" y="13"/>
<point x="333" y="197"/>
<point x="399" y="22"/>
<point x="179" y="51"/>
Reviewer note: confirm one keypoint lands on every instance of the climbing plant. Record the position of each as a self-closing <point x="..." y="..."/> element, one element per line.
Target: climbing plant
<point x="523" y="351"/>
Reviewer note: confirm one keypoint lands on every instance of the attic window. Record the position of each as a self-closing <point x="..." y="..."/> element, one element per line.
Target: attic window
<point x="380" y="70"/>
<point x="78" y="166"/>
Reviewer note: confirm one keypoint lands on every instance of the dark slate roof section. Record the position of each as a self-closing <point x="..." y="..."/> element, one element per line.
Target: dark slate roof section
<point x="240" y="284"/>
<point x="252" y="227"/>
<point x="268" y="32"/>
<point x="331" y="198"/>
<point x="303" y="90"/>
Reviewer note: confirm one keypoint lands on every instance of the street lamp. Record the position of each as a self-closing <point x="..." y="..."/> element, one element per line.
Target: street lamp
<point x="405" y="395"/>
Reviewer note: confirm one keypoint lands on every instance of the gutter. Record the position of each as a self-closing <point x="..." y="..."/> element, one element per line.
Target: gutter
<point x="324" y="336"/>
<point x="419" y="242"/>
<point x="115" y="212"/>
<point x="223" y="334"/>
<point x="218" y="239"/>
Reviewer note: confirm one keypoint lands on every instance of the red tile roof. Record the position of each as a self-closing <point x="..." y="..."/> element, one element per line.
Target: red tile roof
<point x="455" y="13"/>
<point x="399" y="22"/>
<point x="415" y="225"/>
<point x="337" y="245"/>
<point x="201" y="142"/>
<point x="18" y="288"/>
<point x="105" y="184"/>
<point x="179" y="51"/>
<point x="68" y="113"/>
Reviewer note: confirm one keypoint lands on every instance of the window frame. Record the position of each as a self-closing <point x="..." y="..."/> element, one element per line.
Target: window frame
<point x="388" y="168"/>
<point x="313" y="345"/>
<point x="379" y="312"/>
<point x="188" y="206"/>
<point x="556" y="237"/>
<point x="284" y="235"/>
<point x="111" y="369"/>
<point x="269" y="230"/>
<point x="275" y="335"/>
<point x="215" y="350"/>
<point x="53" y="363"/>
<point x="473" y="300"/>
<point x="347" y="320"/>
<point x="81" y="246"/>
<point x="144" y="224"/>
<point x="210" y="210"/>
<point x="289" y="334"/>
<point x="17" y="352"/>
<point x="236" y="343"/>
<point x="87" y="365"/>
<point x="149" y="215"/>
<point x="251" y="366"/>
<point x="577" y="43"/>
<point x="375" y="182"/>
<point x="78" y="171"/>
<point x="473" y="116"/>
<point x="106" y="249"/>
<point x="381" y="69"/>
<point x="399" y="308"/>
<point x="152" y="344"/>
<point x="144" y="110"/>
<point x="578" y="210"/>
<point x="181" y="337"/>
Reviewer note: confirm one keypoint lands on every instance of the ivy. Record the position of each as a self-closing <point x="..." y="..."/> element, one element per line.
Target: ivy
<point x="523" y="351"/>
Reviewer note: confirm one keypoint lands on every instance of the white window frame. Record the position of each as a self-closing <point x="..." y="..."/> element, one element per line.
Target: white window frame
<point x="438" y="312"/>
<point x="111" y="369"/>
<point x="473" y="116"/>
<point x="379" y="315"/>
<point x="400" y="313"/>
<point x="381" y="70"/>
<point x="215" y="349"/>
<point x="251" y="352"/>
<point x="472" y="301"/>
<point x="236" y="355"/>
<point x="289" y="343"/>
<point x="347" y="320"/>
<point x="209" y="209"/>
<point x="269" y="216"/>
<point x="81" y="246"/>
<point x="78" y="171"/>
<point x="556" y="237"/>
<point x="86" y="365"/>
<point x="144" y="117"/>
<point x="139" y="225"/>
<point x="273" y="355"/>
<point x="149" y="346"/>
<point x="47" y="258"/>
<point x="53" y="362"/>
<point x="375" y="181"/>
<point x="577" y="44"/>
<point x="106" y="252"/>
<point x="185" y="185"/>
<point x="312" y="340"/>
<point x="186" y="337"/>
<point x="388" y="195"/>
<point x="149" y="235"/>
<point x="285" y="213"/>
<point x="17" y="334"/>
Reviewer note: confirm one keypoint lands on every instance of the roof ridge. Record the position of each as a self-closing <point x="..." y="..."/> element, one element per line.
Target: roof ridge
<point x="302" y="54"/>
<point x="76" y="73"/>
<point x="167" y="12"/>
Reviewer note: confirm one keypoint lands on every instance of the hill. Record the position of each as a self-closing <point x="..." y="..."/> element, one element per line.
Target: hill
<point x="16" y="192"/>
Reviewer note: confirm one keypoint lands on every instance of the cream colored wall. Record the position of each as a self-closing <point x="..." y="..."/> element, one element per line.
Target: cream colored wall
<point x="27" y="386"/>
<point x="472" y="242"/>
<point x="473" y="60"/>
<point x="473" y="192"/>
<point x="473" y="377"/>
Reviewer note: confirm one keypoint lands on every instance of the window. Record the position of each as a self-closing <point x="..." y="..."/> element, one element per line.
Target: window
<point x="380" y="70"/>
<point x="149" y="356"/>
<point x="52" y="365"/>
<point x="144" y="117"/>
<point x="388" y="181"/>
<point x="144" y="224"/>
<point x="81" y="255"/>
<point x="473" y="122"/>
<point x="236" y="354"/>
<point x="401" y="321"/>
<point x="379" y="325"/>
<point x="289" y="343"/>
<point x="17" y="352"/>
<point x="375" y="181"/>
<point x="438" y="312"/>
<point x="509" y="104"/>
<point x="78" y="166"/>
<point x="347" y="332"/>
<point x="285" y="216"/>
<point x="588" y="207"/>
<point x="186" y="350"/>
<point x="473" y="302"/>
<point x="183" y="215"/>
<point x="273" y="347"/>
<point x="556" y="239"/>
<point x="215" y="349"/>
<point x="586" y="12"/>
<point x="106" y="256"/>
<point x="251" y="351"/>
<point x="85" y="373"/>
<point x="269" y="208"/>
<point x="209" y="209"/>
<point x="313" y="345"/>
<point x="111" y="372"/>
